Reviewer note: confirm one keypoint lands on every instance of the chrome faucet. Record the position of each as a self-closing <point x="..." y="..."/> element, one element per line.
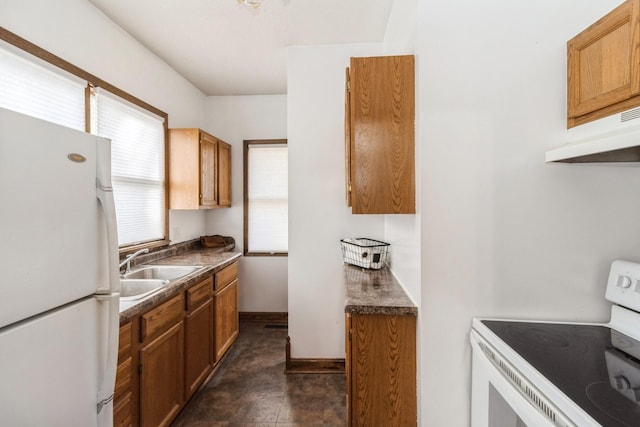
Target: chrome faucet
<point x="129" y="258"/>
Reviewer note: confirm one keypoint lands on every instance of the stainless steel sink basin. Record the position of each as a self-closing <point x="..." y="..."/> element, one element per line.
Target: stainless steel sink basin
<point x="161" y="272"/>
<point x="133" y="289"/>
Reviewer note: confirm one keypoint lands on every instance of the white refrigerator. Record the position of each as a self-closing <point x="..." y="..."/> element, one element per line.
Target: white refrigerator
<point x="59" y="282"/>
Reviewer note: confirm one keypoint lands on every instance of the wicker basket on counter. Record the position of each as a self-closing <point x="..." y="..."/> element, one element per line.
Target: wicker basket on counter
<point x="365" y="253"/>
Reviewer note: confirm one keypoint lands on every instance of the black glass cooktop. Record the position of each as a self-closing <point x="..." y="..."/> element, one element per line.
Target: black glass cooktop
<point x="595" y="366"/>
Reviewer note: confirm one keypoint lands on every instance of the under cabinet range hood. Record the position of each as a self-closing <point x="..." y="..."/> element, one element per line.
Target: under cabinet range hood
<point x="615" y="138"/>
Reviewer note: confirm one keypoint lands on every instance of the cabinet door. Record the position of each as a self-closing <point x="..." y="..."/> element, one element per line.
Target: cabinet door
<point x="603" y="65"/>
<point x="382" y="133"/>
<point x="208" y="171"/>
<point x="226" y="318"/>
<point x="184" y="168"/>
<point x="224" y="174"/>
<point x="199" y="346"/>
<point x="382" y="370"/>
<point x="162" y="377"/>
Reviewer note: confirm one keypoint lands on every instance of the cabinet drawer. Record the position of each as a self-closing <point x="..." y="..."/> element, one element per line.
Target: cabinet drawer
<point x="124" y="343"/>
<point x="123" y="378"/>
<point x="162" y="317"/>
<point x="199" y="294"/>
<point x="227" y="275"/>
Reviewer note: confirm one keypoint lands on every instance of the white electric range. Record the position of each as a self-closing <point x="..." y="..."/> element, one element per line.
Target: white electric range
<point x="533" y="373"/>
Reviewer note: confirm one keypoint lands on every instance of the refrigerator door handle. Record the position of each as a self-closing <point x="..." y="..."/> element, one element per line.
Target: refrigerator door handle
<point x="109" y="297"/>
<point x="108" y="380"/>
<point x="105" y="196"/>
<point x="104" y="402"/>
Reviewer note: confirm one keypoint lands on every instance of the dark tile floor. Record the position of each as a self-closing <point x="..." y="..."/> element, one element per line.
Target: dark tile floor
<point x="251" y="389"/>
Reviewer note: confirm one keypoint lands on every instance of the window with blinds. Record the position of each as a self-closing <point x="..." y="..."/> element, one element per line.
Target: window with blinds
<point x="38" y="84"/>
<point x="266" y="198"/>
<point x="32" y="87"/>
<point x="137" y="165"/>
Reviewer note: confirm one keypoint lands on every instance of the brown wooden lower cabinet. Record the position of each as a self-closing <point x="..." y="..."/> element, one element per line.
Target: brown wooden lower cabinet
<point x="161" y="363"/>
<point x="167" y="352"/>
<point x="226" y="319"/>
<point x="199" y="346"/>
<point x="226" y="324"/>
<point x="161" y="384"/>
<point x="124" y="413"/>
<point x="381" y="370"/>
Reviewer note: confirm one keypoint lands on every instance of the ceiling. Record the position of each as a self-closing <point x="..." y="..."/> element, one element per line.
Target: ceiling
<point x="224" y="48"/>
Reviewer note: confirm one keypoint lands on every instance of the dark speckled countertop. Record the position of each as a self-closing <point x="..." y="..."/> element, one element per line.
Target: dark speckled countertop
<point x="211" y="260"/>
<point x="375" y="292"/>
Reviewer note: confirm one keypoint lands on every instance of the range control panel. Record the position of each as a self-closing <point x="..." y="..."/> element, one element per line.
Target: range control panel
<point x="623" y="286"/>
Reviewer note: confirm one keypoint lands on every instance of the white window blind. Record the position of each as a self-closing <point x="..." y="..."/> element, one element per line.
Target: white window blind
<point x="30" y="87"/>
<point x="268" y="198"/>
<point x="137" y="166"/>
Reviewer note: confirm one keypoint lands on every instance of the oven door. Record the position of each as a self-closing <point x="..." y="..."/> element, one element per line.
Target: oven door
<point x="495" y="399"/>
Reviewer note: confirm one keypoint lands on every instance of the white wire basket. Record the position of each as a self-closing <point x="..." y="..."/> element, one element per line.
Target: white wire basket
<point x="365" y="253"/>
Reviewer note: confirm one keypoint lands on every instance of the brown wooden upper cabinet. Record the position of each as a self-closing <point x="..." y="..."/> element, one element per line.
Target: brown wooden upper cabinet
<point x="603" y="66"/>
<point x="199" y="171"/>
<point x="380" y="135"/>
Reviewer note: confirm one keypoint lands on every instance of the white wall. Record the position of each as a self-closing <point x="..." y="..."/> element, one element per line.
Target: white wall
<point x="318" y="216"/>
<point x="234" y="119"/>
<point x="79" y="33"/>
<point x="402" y="27"/>
<point x="186" y="224"/>
<point x="502" y="233"/>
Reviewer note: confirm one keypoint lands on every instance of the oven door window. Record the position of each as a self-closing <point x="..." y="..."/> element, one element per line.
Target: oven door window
<point x="496" y="401"/>
<point x="500" y="413"/>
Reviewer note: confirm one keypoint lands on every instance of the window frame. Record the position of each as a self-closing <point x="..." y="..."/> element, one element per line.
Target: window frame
<point x="245" y="170"/>
<point x="93" y="81"/>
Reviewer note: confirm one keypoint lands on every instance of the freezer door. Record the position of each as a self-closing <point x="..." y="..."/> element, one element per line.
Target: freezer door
<point x="51" y="367"/>
<point x="52" y="226"/>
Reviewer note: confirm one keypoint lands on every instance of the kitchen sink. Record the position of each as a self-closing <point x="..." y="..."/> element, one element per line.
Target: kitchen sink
<point x="161" y="272"/>
<point x="133" y="289"/>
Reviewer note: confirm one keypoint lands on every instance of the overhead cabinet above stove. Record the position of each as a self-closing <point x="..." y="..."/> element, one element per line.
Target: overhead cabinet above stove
<point x="380" y="135"/>
<point x="603" y="91"/>
<point x="603" y="66"/>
